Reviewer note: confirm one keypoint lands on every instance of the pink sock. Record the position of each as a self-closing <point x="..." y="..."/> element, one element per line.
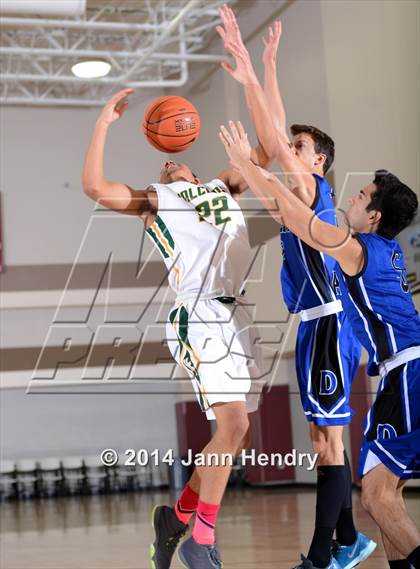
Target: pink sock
<point x="186" y="505"/>
<point x="205" y="523"/>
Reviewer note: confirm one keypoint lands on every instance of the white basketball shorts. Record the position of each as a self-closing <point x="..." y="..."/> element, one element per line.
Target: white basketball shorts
<point x="215" y="343"/>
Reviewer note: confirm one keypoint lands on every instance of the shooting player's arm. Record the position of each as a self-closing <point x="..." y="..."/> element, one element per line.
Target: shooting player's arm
<point x="114" y="195"/>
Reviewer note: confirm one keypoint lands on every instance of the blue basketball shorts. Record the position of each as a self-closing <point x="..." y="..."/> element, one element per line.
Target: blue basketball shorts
<point x="392" y="428"/>
<point x="327" y="359"/>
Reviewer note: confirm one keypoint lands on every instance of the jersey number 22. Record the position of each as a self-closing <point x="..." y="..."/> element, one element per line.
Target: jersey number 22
<point x="213" y="210"/>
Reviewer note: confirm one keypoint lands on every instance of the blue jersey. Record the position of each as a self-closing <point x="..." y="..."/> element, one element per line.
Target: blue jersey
<point x="378" y="301"/>
<point x="306" y="274"/>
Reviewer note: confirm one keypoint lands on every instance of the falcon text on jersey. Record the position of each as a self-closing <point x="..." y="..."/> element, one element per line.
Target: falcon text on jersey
<point x="191" y="193"/>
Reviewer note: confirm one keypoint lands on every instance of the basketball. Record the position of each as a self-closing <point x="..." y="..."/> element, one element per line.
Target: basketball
<point x="171" y="124"/>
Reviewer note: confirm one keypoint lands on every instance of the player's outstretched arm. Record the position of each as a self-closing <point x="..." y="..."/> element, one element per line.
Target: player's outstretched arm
<point x="287" y="208"/>
<point x="299" y="176"/>
<point x="301" y="180"/>
<point x="271" y="84"/>
<point x="113" y="195"/>
<point x="244" y="73"/>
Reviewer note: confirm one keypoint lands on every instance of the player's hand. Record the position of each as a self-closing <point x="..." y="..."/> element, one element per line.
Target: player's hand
<point x="271" y="43"/>
<point x="236" y="144"/>
<point x="115" y="107"/>
<point x="232" y="41"/>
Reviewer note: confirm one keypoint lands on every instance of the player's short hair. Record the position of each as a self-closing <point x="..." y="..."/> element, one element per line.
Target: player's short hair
<point x="323" y="143"/>
<point x="397" y="203"/>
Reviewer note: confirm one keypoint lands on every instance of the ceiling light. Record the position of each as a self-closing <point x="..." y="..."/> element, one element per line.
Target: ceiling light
<point x="91" y="69"/>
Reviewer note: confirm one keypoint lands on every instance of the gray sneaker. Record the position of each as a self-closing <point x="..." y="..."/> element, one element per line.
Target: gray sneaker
<point x="193" y="555"/>
<point x="168" y="530"/>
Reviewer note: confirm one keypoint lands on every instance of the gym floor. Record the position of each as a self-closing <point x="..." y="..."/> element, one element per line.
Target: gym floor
<point x="258" y="529"/>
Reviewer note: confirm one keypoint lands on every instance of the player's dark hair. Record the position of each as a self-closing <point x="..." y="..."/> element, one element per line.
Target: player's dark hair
<point x="323" y="143"/>
<point x="397" y="203"/>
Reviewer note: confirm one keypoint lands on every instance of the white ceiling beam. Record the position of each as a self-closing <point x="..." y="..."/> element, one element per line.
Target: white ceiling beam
<point x="23" y="89"/>
<point x="48" y="81"/>
<point x="40" y="102"/>
<point x="211" y="8"/>
<point x="98" y="14"/>
<point x="22" y="77"/>
<point x="47" y="8"/>
<point x="49" y="37"/>
<point x="198" y="57"/>
<point x="79" y="25"/>
<point x="167" y="32"/>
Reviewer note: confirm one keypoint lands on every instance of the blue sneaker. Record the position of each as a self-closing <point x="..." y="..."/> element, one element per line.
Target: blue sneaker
<point x="307" y="564"/>
<point x="193" y="555"/>
<point x="348" y="556"/>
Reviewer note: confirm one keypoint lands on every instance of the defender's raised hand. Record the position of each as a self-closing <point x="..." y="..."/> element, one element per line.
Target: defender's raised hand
<point x="232" y="41"/>
<point x="236" y="144"/>
<point x="115" y="107"/>
<point x="231" y="32"/>
<point x="271" y="44"/>
<point x="255" y="98"/>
